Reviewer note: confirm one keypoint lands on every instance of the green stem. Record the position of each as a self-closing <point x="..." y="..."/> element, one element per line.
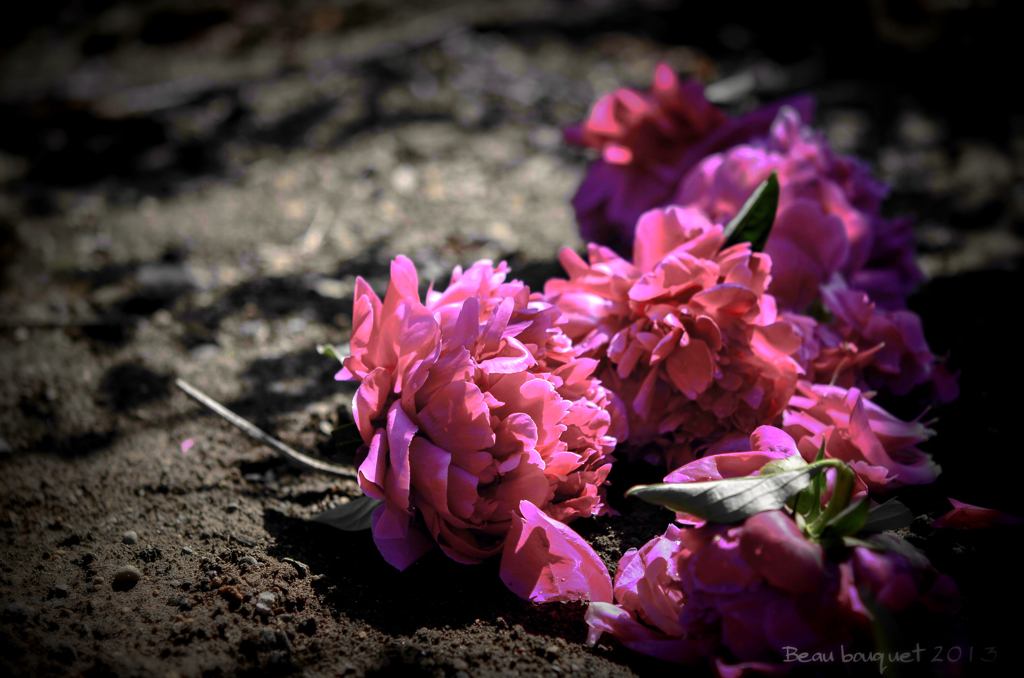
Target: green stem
<point x="841" y="493"/>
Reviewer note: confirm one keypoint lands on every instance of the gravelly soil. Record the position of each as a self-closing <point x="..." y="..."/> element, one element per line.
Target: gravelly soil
<point x="189" y="190"/>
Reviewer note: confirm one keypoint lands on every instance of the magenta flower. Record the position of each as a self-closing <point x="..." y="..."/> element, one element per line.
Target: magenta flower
<point x="867" y="346"/>
<point x="648" y="141"/>
<point x="470" y="405"/>
<point x="693" y="342"/>
<point x="742" y="594"/>
<point x="880" y="448"/>
<point x="967" y="517"/>
<point x="828" y="216"/>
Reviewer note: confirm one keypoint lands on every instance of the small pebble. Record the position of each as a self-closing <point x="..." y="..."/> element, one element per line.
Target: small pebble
<point x="128" y="573"/>
<point x="16" y="611"/>
<point x="265" y="603"/>
<point x="244" y="541"/>
<point x="301" y="568"/>
<point x="59" y="591"/>
<point x="186" y="551"/>
<point x="250" y="561"/>
<point x="130" y="538"/>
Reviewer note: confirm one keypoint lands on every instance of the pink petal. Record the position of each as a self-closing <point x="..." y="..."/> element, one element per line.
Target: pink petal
<point x="373" y="469"/>
<point x="369" y="401"/>
<point x="965" y="517"/>
<point x="402" y="552"/>
<point x="773" y="440"/>
<point x="607" y="618"/>
<point x="773" y="545"/>
<point x="457" y="418"/>
<point x="545" y="561"/>
<point x="400" y="434"/>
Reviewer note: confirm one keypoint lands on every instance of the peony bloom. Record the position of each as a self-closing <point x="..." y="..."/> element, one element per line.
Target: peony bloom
<point x="742" y="594"/>
<point x="471" y="405"/>
<point x="881" y="449"/>
<point x="828" y="216"/>
<point x="692" y="340"/>
<point x="866" y="346"/>
<point x="648" y="141"/>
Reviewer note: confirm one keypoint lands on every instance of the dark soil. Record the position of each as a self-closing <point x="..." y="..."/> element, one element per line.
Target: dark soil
<point x="188" y="189"/>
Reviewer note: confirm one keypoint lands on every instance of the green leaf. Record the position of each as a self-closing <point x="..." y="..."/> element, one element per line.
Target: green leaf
<point x="730" y="500"/>
<point x="851" y="519"/>
<point x="790" y="463"/>
<point x="330" y="351"/>
<point x="351" y="516"/>
<point x="809" y="500"/>
<point x="891" y="515"/>
<point x="754" y="221"/>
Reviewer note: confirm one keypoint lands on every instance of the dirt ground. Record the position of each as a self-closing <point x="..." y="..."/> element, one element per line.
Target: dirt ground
<point x="189" y="189"/>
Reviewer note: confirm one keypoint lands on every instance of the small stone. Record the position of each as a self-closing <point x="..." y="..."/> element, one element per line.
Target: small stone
<point x="265" y="603"/>
<point x="130" y="538"/>
<point x="459" y="664"/>
<point x="87" y="558"/>
<point x="58" y="591"/>
<point x="16" y="612"/>
<point x="244" y="541"/>
<point x="250" y="561"/>
<point x="301" y="568"/>
<point x="186" y="551"/>
<point x="129" y="574"/>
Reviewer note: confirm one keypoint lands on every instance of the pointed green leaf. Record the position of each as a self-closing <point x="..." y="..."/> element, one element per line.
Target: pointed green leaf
<point x="891" y="515"/>
<point x="351" y="516"/>
<point x="817" y="488"/>
<point x="850" y="520"/>
<point x="753" y="223"/>
<point x="330" y="351"/>
<point x="731" y="500"/>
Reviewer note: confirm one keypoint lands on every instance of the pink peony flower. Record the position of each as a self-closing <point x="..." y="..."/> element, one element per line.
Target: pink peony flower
<point x="867" y="346"/>
<point x="648" y="141"/>
<point x="828" y="217"/>
<point x="693" y="342"/>
<point x="743" y="594"/>
<point x="469" y="405"/>
<point x="966" y="517"/>
<point x="880" y="448"/>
